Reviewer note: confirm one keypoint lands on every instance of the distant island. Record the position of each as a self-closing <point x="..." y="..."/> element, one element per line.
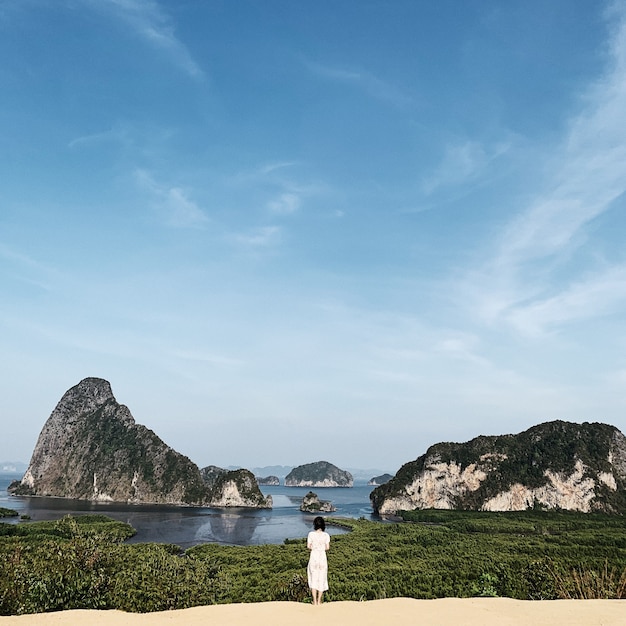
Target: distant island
<point x="12" y="467"/>
<point x="319" y="474"/>
<point x="379" y="480"/>
<point x="268" y="480"/>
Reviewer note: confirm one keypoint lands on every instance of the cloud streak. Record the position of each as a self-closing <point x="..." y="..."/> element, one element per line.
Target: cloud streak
<point x="367" y="82"/>
<point x="151" y="24"/>
<point x="178" y="210"/>
<point x="263" y="237"/>
<point x="284" y="204"/>
<point x="587" y="174"/>
<point x="462" y="162"/>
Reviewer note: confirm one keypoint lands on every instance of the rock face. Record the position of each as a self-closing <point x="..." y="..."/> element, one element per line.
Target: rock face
<point x="237" y="488"/>
<point x="312" y="504"/>
<point x="556" y="465"/>
<point x="90" y="448"/>
<point x="379" y="480"/>
<point x="320" y="474"/>
<point x="210" y="474"/>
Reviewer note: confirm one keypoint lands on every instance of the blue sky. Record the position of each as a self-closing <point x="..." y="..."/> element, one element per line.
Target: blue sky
<point x="291" y="231"/>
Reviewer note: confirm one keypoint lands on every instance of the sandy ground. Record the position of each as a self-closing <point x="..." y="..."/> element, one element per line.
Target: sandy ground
<point x="444" y="612"/>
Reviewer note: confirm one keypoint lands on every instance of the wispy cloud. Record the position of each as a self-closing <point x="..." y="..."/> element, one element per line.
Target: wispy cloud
<point x="587" y="174"/>
<point x="205" y="357"/>
<point x="117" y="134"/>
<point x="284" y="204"/>
<point x="461" y="347"/>
<point x="263" y="237"/>
<point x="173" y="203"/>
<point x="152" y="24"/>
<point x="594" y="296"/>
<point x="367" y="82"/>
<point x="273" y="166"/>
<point x="288" y="193"/>
<point x="462" y="163"/>
<point x="27" y="269"/>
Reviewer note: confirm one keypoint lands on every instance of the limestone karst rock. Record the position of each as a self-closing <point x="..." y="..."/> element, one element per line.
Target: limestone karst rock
<point x="237" y="488"/>
<point x="312" y="504"/>
<point x="556" y="465"/>
<point x="211" y="473"/>
<point x="90" y="448"/>
<point x="319" y="474"/>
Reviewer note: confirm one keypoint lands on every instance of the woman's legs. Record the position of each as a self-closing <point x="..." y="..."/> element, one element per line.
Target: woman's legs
<point x="317" y="596"/>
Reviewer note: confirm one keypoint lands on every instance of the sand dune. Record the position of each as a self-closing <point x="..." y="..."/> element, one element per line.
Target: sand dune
<point x="444" y="612"/>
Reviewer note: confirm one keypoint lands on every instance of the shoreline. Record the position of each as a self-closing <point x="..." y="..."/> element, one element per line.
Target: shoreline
<point x="439" y="612"/>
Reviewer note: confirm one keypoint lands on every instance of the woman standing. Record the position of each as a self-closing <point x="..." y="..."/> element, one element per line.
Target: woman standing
<point x="318" y="542"/>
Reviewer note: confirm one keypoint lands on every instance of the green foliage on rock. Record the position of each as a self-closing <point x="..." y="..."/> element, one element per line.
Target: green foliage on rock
<point x="8" y="512"/>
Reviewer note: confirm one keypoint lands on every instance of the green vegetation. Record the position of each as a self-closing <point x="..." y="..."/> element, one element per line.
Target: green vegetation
<point x="7" y="512"/>
<point x="82" y="563"/>
<point x="134" y="446"/>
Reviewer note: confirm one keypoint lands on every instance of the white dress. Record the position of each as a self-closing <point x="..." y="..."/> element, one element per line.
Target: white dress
<point x="317" y="569"/>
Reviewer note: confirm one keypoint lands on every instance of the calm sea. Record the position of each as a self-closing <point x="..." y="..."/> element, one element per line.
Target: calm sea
<point x="189" y="526"/>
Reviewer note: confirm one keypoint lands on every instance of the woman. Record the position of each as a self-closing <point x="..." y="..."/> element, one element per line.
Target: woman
<point x="318" y="542"/>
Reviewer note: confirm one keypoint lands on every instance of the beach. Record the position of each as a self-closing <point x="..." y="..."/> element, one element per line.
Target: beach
<point x="441" y="612"/>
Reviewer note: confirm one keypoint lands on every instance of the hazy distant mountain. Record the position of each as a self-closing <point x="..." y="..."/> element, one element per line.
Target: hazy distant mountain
<point x="364" y="475"/>
<point x="358" y="474"/>
<point x="272" y="470"/>
<point x="13" y="467"/>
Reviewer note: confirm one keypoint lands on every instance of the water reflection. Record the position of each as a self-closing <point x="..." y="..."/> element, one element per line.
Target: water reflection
<point x="189" y="526"/>
<point x="236" y="526"/>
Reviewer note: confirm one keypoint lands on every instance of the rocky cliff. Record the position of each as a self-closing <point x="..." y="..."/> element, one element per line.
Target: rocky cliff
<point x="556" y="465"/>
<point x="319" y="474"/>
<point x="237" y="488"/>
<point x="90" y="448"/>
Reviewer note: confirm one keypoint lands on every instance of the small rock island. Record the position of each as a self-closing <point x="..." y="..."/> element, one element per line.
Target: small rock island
<point x="312" y="504"/>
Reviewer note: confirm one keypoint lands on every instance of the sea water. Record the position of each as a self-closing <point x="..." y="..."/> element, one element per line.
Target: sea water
<point x="189" y="526"/>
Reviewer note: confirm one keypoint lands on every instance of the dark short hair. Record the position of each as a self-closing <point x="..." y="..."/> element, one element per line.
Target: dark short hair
<point x="319" y="523"/>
